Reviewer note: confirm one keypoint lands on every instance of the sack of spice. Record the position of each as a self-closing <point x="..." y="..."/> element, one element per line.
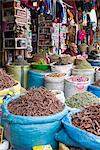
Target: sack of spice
<point x="82" y="64"/>
<point x="82" y="128"/>
<point x="34" y="118"/>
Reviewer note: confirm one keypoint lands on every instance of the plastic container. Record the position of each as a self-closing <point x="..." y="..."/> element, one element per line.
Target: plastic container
<point x="94" y="62"/>
<point x="72" y="87"/>
<point x="43" y="67"/>
<point x="90" y="73"/>
<point x="36" y="79"/>
<point x="95" y="90"/>
<point x="19" y="73"/>
<point x="54" y="83"/>
<point x="60" y="95"/>
<point x="29" y="131"/>
<point x="97" y="74"/>
<point x="62" y="68"/>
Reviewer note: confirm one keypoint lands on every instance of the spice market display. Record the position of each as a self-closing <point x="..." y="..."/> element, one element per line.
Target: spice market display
<point x="49" y="74"/>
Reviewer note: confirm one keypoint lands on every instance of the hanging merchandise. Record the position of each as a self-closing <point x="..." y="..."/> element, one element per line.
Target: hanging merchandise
<point x="93" y="19"/>
<point x="31" y="4"/>
<point x="80" y="17"/>
<point x="58" y="37"/>
<point x="82" y="35"/>
<point x="64" y="13"/>
<point x="59" y="11"/>
<point x="65" y="16"/>
<point x="91" y="37"/>
<point x="87" y="0"/>
<point x="79" y="5"/>
<point x="49" y="4"/>
<point x="93" y="3"/>
<point x="55" y="35"/>
<point x="84" y="19"/>
<point x="71" y="17"/>
<point x="54" y="9"/>
<point x="46" y="7"/>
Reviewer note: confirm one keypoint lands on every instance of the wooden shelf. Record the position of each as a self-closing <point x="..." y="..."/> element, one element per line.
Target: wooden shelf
<point x="44" y="45"/>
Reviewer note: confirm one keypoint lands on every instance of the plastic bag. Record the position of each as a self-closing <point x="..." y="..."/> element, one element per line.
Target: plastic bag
<point x="80" y="138"/>
<point x="27" y="132"/>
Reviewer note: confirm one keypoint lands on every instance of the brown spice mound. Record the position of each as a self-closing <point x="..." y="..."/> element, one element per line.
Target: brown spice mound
<point x="88" y="119"/>
<point x="37" y="102"/>
<point x="5" y="80"/>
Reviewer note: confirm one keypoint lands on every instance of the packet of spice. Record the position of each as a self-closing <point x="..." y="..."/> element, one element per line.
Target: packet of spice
<point x="45" y="147"/>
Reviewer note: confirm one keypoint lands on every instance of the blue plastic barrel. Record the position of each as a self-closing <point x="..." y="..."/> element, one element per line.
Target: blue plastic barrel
<point x="94" y="62"/>
<point x="95" y="90"/>
<point x="35" y="79"/>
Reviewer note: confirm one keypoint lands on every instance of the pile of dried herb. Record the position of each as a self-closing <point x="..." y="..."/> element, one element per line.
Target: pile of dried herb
<point x="82" y="64"/>
<point x="81" y="99"/>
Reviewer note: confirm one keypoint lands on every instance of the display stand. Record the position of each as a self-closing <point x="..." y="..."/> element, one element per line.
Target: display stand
<point x="15" y="35"/>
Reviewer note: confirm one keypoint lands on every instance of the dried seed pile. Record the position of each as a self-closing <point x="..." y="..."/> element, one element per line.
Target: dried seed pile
<point x="81" y="99"/>
<point x="5" y="80"/>
<point x="88" y="119"/>
<point x="56" y="75"/>
<point x="37" y="102"/>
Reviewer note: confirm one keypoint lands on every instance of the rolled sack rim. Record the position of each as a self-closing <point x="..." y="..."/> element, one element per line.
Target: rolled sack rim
<point x="15" y="119"/>
<point x="93" y="87"/>
<point x="77" y="82"/>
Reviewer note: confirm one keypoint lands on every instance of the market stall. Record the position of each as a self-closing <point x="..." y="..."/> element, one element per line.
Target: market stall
<point x="50" y="75"/>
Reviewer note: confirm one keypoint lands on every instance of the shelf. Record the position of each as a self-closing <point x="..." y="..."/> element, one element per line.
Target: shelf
<point x="9" y="38"/>
<point x="44" y="33"/>
<point x="8" y="31"/>
<point x="45" y="21"/>
<point x="22" y="23"/>
<point x="15" y="38"/>
<point x="22" y="17"/>
<point x="9" y="47"/>
<point x="22" y="48"/>
<point x="45" y="27"/>
<point x="7" y="8"/>
<point x="19" y="8"/>
<point x="42" y="39"/>
<point x="45" y="45"/>
<point x="15" y="8"/>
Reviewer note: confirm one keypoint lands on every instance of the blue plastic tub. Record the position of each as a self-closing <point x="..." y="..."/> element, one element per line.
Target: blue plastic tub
<point x="95" y="90"/>
<point x="36" y="79"/>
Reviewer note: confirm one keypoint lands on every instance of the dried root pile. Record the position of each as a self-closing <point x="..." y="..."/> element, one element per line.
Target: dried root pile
<point x="5" y="80"/>
<point x="37" y="102"/>
<point x="88" y="119"/>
